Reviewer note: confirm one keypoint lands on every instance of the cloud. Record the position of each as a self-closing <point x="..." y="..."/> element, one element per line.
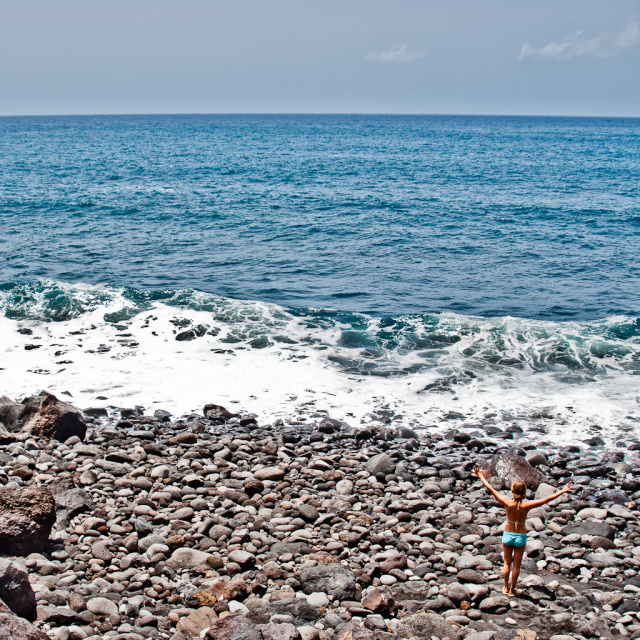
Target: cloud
<point x="396" y="53"/>
<point x="600" y="45"/>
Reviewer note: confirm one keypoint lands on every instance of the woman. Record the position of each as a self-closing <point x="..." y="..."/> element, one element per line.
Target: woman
<point x="514" y="537"/>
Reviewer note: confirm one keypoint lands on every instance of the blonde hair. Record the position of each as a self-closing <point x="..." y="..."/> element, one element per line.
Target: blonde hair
<point x="519" y="490"/>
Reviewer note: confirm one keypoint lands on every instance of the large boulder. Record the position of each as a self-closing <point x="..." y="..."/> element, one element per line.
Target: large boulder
<point x="333" y="579"/>
<point x="14" y="628"/>
<point x="26" y="518"/>
<point x="509" y="466"/>
<point x="16" y="591"/>
<point x="70" y="501"/>
<point x="42" y="416"/>
<point x="10" y="412"/>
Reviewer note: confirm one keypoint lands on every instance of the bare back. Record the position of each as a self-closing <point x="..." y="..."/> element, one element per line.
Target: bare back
<point x="517" y="511"/>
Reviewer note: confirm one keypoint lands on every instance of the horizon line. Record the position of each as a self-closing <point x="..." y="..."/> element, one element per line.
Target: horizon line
<point x="314" y="113"/>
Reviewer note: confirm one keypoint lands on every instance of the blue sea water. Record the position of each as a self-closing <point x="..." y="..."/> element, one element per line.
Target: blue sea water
<point x="450" y="247"/>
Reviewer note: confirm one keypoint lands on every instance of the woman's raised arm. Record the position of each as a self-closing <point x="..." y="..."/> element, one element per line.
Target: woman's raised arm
<point x="538" y="503"/>
<point x="499" y="497"/>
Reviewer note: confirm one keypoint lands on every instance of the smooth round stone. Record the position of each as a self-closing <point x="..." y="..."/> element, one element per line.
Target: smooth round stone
<point x="100" y="551"/>
<point x="142" y="483"/>
<point x="238" y="607"/>
<point x="510" y="621"/>
<point x="388" y="580"/>
<point x="185" y="513"/>
<point x="344" y="487"/>
<point x="102" y="607"/>
<point x="318" y="599"/>
<point x="161" y="471"/>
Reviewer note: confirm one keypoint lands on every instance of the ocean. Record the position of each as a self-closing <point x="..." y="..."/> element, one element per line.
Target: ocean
<point x="431" y="271"/>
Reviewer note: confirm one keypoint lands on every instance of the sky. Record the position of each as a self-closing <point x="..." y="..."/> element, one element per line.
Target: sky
<point x="523" y="57"/>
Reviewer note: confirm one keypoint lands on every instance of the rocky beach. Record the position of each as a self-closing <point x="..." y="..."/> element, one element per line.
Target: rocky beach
<point x="123" y="525"/>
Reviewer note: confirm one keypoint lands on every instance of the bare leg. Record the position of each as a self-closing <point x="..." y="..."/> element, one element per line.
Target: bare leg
<point x="518" y="553"/>
<point x="507" y="550"/>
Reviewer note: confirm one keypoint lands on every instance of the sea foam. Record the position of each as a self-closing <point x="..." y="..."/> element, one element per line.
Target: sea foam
<point x="177" y="350"/>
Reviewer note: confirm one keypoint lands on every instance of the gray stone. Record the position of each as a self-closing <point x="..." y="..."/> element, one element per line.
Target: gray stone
<point x="425" y="625"/>
<point x="458" y="593"/>
<point x="16" y="591"/>
<point x="185" y="558"/>
<point x="469" y="575"/>
<point x="70" y="501"/>
<point x="102" y="607"/>
<point x="269" y="473"/>
<point x="243" y="558"/>
<point x="381" y="463"/>
<point x="12" y="627"/>
<point x="308" y="512"/>
<point x="101" y="551"/>
<point x="468" y="561"/>
<point x="545" y="490"/>
<point x="217" y="531"/>
<point x="536" y="458"/>
<point x="590" y="528"/>
<point x="494" y="603"/>
<point x="599" y="560"/>
<point x="333" y="579"/>
<point x="300" y="610"/>
<point x="274" y="631"/>
<point x="295" y="548"/>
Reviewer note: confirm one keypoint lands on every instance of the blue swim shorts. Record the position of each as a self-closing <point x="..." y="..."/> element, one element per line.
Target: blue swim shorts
<point x="514" y="539"/>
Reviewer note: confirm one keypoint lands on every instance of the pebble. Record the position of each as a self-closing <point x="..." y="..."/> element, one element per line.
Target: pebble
<point x="315" y="526"/>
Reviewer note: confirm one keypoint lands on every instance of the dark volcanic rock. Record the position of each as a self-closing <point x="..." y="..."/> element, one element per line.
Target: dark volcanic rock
<point x="302" y="612"/>
<point x="26" y="518"/>
<point x="217" y="413"/>
<point x="381" y="463"/>
<point x="509" y="466"/>
<point x="16" y="591"/>
<point x="332" y="579"/>
<point x="14" y="628"/>
<point x="70" y="501"/>
<point x="43" y="416"/>
<point x="233" y="628"/>
<point x="589" y="528"/>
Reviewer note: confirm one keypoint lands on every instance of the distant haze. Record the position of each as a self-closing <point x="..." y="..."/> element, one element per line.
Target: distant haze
<point x="575" y="57"/>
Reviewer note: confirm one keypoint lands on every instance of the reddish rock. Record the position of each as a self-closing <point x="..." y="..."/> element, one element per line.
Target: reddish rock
<point x="394" y="562"/>
<point x="183" y="438"/>
<point x="233" y="627"/>
<point x="43" y="416"/>
<point x="231" y="589"/>
<point x="379" y="600"/>
<point x="26" y="518"/>
<point x="217" y="413"/>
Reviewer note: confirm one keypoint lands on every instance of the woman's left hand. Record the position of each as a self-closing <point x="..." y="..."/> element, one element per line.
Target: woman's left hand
<point x="478" y="471"/>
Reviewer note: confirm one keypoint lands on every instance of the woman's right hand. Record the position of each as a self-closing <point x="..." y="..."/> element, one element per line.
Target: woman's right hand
<point x="568" y="487"/>
<point x="478" y="471"/>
